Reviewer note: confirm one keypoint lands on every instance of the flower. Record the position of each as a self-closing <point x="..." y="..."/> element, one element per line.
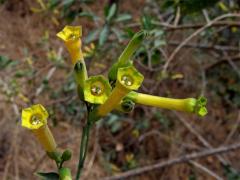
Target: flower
<point x="128" y="79"/>
<point x="191" y="105"/>
<point x="70" y="33"/>
<point x="71" y="36"/>
<point x="96" y="89"/>
<point x="35" y="119"/>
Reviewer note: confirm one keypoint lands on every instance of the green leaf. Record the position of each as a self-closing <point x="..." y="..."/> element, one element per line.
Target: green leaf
<point x="116" y="127"/>
<point x="5" y="62"/>
<point x="230" y="173"/>
<point x="88" y="15"/>
<point x="159" y="43"/>
<point x="192" y="6"/>
<point x="103" y="35"/>
<point x="53" y="3"/>
<point x="123" y="17"/>
<point x="146" y="22"/>
<point x="92" y="36"/>
<point x="157" y="32"/>
<point x="119" y="34"/>
<point x="168" y="4"/>
<point x="112" y="11"/>
<point x="67" y="2"/>
<point x="112" y="119"/>
<point x="47" y="176"/>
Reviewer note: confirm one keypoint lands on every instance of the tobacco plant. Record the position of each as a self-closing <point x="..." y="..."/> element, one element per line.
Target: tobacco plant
<point x="100" y="95"/>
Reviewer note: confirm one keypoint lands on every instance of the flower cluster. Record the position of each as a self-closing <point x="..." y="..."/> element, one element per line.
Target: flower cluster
<point x="101" y="95"/>
<point x="124" y="79"/>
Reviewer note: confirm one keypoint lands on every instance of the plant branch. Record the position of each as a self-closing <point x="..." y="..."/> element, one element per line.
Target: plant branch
<point x="205" y="46"/>
<point x="170" y="27"/>
<point x="178" y="160"/>
<point x="185" y="41"/>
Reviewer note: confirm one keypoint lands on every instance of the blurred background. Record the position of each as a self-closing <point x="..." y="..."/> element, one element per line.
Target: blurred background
<point x="195" y="41"/>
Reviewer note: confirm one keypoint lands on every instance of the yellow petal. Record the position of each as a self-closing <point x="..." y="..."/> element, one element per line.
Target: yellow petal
<point x="70" y="33"/>
<point x="96" y="89"/>
<point x="34" y="117"/>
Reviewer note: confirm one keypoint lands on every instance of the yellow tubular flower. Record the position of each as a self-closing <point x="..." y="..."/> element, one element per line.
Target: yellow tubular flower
<point x="71" y="36"/>
<point x="191" y="105"/>
<point x="35" y="119"/>
<point x="96" y="89"/>
<point x="128" y="79"/>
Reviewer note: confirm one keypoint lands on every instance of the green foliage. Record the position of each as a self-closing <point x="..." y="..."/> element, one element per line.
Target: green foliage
<point x="111" y="18"/>
<point x="6" y="62"/>
<point x="114" y="123"/>
<point x="225" y="83"/>
<point x="190" y="6"/>
<point x="230" y="173"/>
<point x="47" y="176"/>
<point x="164" y="121"/>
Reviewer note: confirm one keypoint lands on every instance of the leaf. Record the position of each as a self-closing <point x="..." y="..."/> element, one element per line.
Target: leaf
<point x="223" y="7"/>
<point x="5" y="62"/>
<point x="112" y="119"/>
<point x="67" y="2"/>
<point x="123" y="17"/>
<point x="48" y="176"/>
<point x="89" y="15"/>
<point x="103" y="35"/>
<point x="192" y="6"/>
<point x="159" y="43"/>
<point x="168" y="4"/>
<point x="157" y="32"/>
<point x="116" y="126"/>
<point x="119" y="34"/>
<point x="53" y="3"/>
<point x="230" y="172"/>
<point x="92" y="36"/>
<point x="111" y="12"/>
<point x="146" y="22"/>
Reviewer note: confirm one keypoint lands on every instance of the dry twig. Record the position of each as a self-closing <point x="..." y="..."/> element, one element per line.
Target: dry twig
<point x="199" y="136"/>
<point x="234" y="129"/>
<point x="206" y="170"/>
<point x="174" y="53"/>
<point x="178" y="160"/>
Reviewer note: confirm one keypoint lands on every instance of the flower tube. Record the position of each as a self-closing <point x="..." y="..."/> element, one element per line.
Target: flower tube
<point x="34" y="118"/>
<point x="71" y="35"/>
<point x="191" y="105"/>
<point x="128" y="79"/>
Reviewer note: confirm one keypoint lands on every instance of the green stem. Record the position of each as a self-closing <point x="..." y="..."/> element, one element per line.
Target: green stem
<point x="83" y="148"/>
